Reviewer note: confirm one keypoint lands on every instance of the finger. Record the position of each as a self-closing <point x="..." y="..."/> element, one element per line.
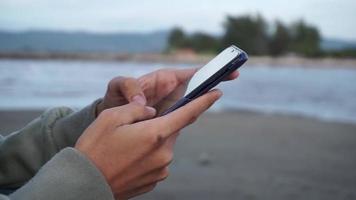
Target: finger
<point x="180" y="118"/>
<point x="157" y="85"/>
<point x="148" y="181"/>
<point x="139" y="191"/>
<point x="187" y="114"/>
<point x="232" y="76"/>
<point x="155" y="175"/>
<point x="130" y="89"/>
<point x="128" y="114"/>
<point x="183" y="75"/>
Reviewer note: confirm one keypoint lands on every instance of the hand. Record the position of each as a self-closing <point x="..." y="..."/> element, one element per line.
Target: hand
<point x="132" y="154"/>
<point x="120" y="91"/>
<point x="164" y="87"/>
<point x="160" y="89"/>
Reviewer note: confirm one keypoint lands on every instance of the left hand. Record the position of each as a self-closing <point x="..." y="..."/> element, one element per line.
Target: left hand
<point x="159" y="89"/>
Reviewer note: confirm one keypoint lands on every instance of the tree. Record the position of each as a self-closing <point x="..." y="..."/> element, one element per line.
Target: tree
<point x="250" y="33"/>
<point x="177" y="38"/>
<point x="247" y="32"/>
<point x="202" y="42"/>
<point x="305" y="39"/>
<point x="280" y="40"/>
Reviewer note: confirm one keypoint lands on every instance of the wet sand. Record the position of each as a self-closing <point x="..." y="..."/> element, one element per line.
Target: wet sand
<point x="242" y="155"/>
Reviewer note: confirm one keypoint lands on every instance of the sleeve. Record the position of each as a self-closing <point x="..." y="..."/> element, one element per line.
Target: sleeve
<point x="69" y="175"/>
<point x="23" y="152"/>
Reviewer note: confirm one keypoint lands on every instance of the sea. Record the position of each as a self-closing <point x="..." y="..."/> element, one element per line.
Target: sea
<point x="326" y="93"/>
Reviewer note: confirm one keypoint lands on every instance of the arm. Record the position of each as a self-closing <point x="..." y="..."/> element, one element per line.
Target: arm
<point x="23" y="152"/>
<point x="68" y="175"/>
<point x="84" y="173"/>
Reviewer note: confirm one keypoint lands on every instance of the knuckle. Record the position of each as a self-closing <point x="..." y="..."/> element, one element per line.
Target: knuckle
<point x="151" y="187"/>
<point x="153" y="136"/>
<point x="127" y="82"/>
<point x="152" y="139"/>
<point x="149" y="138"/>
<point x="193" y="118"/>
<point x="153" y="128"/>
<point x="107" y="114"/>
<point x="159" y="138"/>
<point x="166" y="158"/>
<point x="138" y="108"/>
<point x="114" y="82"/>
<point x="168" y="128"/>
<point x="164" y="174"/>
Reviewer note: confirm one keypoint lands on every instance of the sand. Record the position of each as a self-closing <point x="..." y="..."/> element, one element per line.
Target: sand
<point x="242" y="155"/>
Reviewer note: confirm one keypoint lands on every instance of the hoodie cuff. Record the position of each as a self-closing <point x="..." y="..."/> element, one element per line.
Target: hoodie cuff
<point x="68" y="175"/>
<point x="67" y="130"/>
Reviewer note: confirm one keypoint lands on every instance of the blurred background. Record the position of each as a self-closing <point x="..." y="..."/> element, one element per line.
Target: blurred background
<point x="286" y="129"/>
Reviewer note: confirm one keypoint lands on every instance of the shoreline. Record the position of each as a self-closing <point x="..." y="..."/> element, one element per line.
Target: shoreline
<point x="289" y="61"/>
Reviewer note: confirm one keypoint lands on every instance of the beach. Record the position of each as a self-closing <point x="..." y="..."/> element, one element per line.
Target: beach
<point x="248" y="155"/>
<point x="285" y="129"/>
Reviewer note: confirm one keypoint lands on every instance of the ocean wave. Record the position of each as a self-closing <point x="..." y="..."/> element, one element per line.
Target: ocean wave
<point x="328" y="94"/>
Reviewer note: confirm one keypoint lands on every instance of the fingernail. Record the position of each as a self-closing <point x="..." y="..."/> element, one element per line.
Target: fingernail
<point x="139" y="99"/>
<point x="152" y="110"/>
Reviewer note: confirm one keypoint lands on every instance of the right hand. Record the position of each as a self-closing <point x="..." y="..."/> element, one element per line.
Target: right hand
<point x="132" y="150"/>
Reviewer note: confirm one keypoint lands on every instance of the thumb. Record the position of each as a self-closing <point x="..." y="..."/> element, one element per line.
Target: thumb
<point x="129" y="88"/>
<point x="127" y="114"/>
<point x="171" y="123"/>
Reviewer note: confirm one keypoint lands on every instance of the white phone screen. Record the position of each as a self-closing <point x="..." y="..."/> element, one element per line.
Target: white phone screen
<point x="212" y="67"/>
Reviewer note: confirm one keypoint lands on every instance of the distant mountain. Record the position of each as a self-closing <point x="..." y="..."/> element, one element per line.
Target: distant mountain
<point x="67" y="42"/>
<point x="74" y="42"/>
<point x="337" y="44"/>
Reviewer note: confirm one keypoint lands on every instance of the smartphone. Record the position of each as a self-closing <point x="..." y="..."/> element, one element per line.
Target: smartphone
<point x="211" y="74"/>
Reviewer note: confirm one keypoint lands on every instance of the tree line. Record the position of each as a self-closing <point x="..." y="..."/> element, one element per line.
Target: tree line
<point x="254" y="35"/>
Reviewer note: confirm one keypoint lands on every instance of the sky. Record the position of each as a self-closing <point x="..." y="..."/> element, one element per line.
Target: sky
<point x="334" y="18"/>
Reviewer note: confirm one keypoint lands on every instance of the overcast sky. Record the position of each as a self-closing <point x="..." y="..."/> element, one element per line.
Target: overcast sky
<point x="334" y="18"/>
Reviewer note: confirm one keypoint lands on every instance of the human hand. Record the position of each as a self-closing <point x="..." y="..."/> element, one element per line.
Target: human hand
<point x="160" y="89"/>
<point x="133" y="151"/>
<point x="120" y="91"/>
<point x="164" y="87"/>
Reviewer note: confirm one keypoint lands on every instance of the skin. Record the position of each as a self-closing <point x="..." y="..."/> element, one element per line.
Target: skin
<point x="159" y="89"/>
<point x="129" y="144"/>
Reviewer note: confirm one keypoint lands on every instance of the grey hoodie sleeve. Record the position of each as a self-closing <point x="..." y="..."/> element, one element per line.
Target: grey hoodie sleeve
<point x="69" y="175"/>
<point x="23" y="152"/>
